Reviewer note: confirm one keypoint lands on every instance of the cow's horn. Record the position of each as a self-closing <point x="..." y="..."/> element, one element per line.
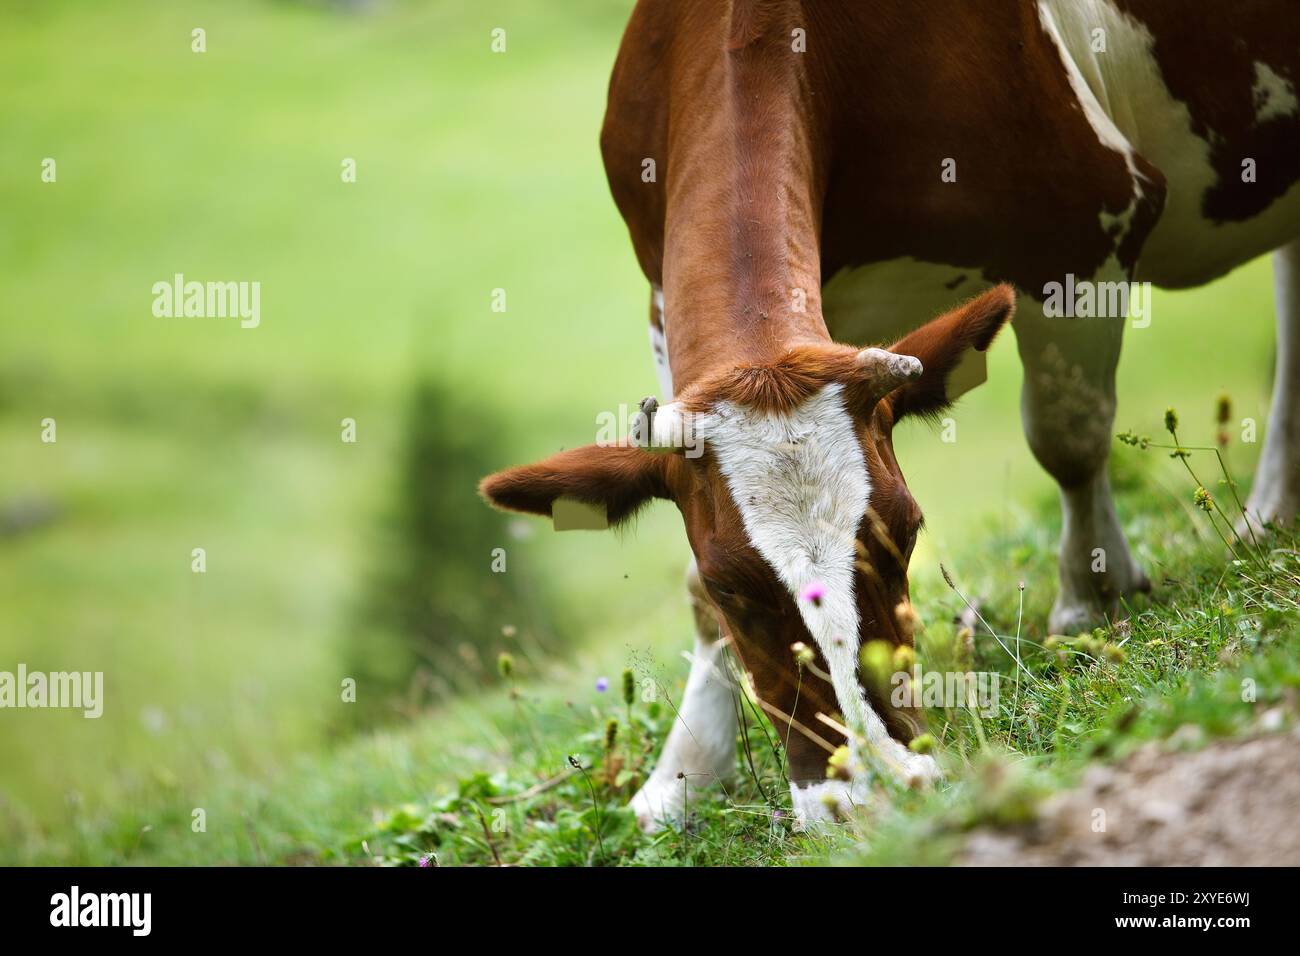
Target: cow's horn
<point x="659" y="429"/>
<point x="642" y="430"/>
<point x="885" y="370"/>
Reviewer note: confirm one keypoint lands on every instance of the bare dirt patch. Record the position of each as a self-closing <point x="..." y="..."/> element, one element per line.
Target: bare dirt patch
<point x="1234" y="803"/>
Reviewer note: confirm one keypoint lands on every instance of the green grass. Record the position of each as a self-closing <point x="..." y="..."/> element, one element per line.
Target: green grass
<point x="453" y="785"/>
<point x="174" y="434"/>
<point x="475" y="171"/>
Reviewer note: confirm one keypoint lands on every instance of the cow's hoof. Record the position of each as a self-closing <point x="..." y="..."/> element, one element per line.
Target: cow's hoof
<point x="922" y="771"/>
<point x="1252" y="528"/>
<point x="825" y="802"/>
<point x="1074" y="616"/>
<point x="658" y="804"/>
<point x="1074" y="613"/>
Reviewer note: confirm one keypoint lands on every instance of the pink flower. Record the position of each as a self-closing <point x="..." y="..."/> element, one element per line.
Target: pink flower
<point x="813" y="592"/>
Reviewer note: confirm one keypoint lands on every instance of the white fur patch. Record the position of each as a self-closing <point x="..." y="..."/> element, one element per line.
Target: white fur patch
<point x="1083" y="69"/>
<point x="1274" y="95"/>
<point x="1129" y="104"/>
<point x="700" y="745"/>
<point x="659" y="346"/>
<point x="800" y="483"/>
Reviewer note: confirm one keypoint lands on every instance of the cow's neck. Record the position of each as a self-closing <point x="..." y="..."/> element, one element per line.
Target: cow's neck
<point x="742" y="269"/>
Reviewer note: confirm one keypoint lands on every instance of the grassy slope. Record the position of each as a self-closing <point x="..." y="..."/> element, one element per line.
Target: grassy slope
<point x="475" y="172"/>
<point x="395" y="797"/>
<point x="175" y="434"/>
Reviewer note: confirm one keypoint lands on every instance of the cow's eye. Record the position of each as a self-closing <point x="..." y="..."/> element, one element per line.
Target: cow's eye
<point x="721" y="590"/>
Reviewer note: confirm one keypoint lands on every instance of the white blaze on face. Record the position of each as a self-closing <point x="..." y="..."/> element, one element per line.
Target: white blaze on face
<point x="801" y="485"/>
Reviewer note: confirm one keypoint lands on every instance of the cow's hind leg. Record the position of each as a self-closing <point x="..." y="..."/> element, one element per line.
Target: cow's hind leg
<point x="1068" y="409"/>
<point x="1275" y="494"/>
<point x="701" y="747"/>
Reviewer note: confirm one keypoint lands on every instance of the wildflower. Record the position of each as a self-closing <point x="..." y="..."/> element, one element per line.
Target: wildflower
<point x="1223" y="409"/>
<point x="803" y="654"/>
<point x="837" y="767"/>
<point x="1203" y="500"/>
<point x="877" y="658"/>
<point x="629" y="686"/>
<point x="966" y="642"/>
<point x="509" y="630"/>
<point x="611" y="733"/>
<point x="1171" y="420"/>
<point x="813" y="593"/>
<point x="921" y="744"/>
<point x="426" y="860"/>
<point x="602" y="684"/>
<point x="1089" y="645"/>
<point x="506" y="665"/>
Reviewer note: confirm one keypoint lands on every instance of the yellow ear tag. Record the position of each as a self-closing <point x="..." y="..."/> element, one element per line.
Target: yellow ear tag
<point x="970" y="372"/>
<point x="570" y="514"/>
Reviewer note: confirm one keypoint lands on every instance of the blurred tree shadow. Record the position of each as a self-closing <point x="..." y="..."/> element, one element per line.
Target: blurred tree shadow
<point x="443" y="597"/>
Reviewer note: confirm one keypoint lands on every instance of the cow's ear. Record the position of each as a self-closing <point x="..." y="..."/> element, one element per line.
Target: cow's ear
<point x="583" y="488"/>
<point x="950" y="349"/>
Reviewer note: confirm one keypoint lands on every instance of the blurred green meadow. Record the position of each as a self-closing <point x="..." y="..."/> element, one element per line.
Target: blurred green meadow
<point x="475" y="171"/>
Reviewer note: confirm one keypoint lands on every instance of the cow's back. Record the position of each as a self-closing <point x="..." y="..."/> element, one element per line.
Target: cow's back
<point x="1206" y="92"/>
<point x="969" y="144"/>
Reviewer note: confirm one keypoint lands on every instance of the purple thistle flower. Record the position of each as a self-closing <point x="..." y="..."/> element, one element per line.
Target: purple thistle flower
<point x="426" y="860"/>
<point x="602" y="684"/>
<point x="813" y="592"/>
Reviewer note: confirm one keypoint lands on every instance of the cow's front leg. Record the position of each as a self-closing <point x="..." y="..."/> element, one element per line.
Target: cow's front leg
<point x="1275" y="493"/>
<point x="1068" y="408"/>
<point x="701" y="747"/>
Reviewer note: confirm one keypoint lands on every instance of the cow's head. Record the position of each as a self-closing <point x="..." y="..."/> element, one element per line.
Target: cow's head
<point x="797" y="511"/>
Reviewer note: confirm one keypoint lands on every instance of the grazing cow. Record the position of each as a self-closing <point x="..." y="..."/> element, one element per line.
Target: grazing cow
<point x="795" y="174"/>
